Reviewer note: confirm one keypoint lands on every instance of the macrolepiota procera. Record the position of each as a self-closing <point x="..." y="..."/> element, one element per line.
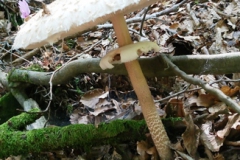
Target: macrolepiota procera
<point x="69" y="17"/>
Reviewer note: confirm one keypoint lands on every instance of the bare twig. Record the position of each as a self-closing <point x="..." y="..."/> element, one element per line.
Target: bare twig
<point x="178" y="93"/>
<point x="53" y="73"/>
<point x="26" y="56"/>
<point x="174" y="8"/>
<point x="186" y="89"/>
<point x="143" y="19"/>
<point x="19" y="57"/>
<point x="221" y="96"/>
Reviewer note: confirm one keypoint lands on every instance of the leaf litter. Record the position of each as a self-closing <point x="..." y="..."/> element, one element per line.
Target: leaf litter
<point x="199" y="125"/>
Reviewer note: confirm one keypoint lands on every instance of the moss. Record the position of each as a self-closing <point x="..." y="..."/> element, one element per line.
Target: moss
<point x="173" y="119"/>
<point x="16" y="75"/>
<point x="10" y="74"/>
<point x="8" y="107"/>
<point x="71" y="43"/>
<point x="69" y="108"/>
<point x="19" y="122"/>
<point x="35" y="67"/>
<point x="74" y="136"/>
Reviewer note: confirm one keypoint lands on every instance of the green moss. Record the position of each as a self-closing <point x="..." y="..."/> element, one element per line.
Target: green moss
<point x="16" y="75"/>
<point x="173" y="119"/>
<point x="77" y="81"/>
<point x="8" y="107"/>
<point x="70" y="43"/>
<point x="35" y="67"/>
<point x="82" y="136"/>
<point x="69" y="108"/>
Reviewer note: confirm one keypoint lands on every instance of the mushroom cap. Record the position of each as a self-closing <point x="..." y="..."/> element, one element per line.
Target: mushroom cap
<point x="69" y="17"/>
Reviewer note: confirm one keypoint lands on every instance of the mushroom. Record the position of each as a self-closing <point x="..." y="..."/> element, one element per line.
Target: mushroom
<point x="70" y="17"/>
<point x="127" y="53"/>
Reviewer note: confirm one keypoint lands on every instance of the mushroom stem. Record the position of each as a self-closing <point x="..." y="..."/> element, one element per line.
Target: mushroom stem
<point x="143" y="93"/>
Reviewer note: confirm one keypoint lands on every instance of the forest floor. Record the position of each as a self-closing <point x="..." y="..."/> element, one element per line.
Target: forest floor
<point x="199" y="125"/>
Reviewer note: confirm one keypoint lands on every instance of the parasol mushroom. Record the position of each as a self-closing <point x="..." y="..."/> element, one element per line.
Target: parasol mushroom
<point x="69" y="17"/>
<point x="127" y="53"/>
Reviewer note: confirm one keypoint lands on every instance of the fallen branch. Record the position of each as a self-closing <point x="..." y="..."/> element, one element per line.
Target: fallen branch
<point x="26" y="56"/>
<point x="16" y="142"/>
<point x="152" y="67"/>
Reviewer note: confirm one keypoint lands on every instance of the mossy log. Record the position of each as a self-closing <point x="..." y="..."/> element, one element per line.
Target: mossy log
<point x="14" y="140"/>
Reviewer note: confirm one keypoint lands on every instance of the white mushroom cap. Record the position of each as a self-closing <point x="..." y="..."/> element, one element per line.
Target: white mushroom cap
<point x="127" y="53"/>
<point x="69" y="17"/>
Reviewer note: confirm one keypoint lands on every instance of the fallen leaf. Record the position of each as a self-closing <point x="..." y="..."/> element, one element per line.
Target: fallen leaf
<point x="142" y="147"/>
<point x="191" y="136"/>
<point x="204" y="100"/>
<point x="230" y="92"/>
<point x="210" y="140"/>
<point x="174" y="108"/>
<point x="91" y="98"/>
<point x="231" y="120"/>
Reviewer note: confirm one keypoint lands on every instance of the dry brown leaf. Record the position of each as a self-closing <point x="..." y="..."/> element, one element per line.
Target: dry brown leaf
<point x="65" y="47"/>
<point x="96" y="34"/>
<point x="115" y="155"/>
<point x="74" y="118"/>
<point x="221" y="122"/>
<point x="80" y="39"/>
<point x="47" y="54"/>
<point x="91" y="98"/>
<point x="83" y="120"/>
<point x="191" y="136"/>
<point x="207" y="100"/>
<point x="174" y="108"/>
<point x="116" y="105"/>
<point x="153" y="152"/>
<point x="177" y="146"/>
<point x="174" y="26"/>
<point x="102" y="102"/>
<point x="142" y="147"/>
<point x="230" y="92"/>
<point x="236" y="125"/>
<point x="210" y="140"/>
<point x="137" y="109"/>
<point x="231" y="120"/>
<point x="218" y="107"/>
<point x="102" y="109"/>
<point x="218" y="157"/>
<point x="84" y="44"/>
<point x="105" y="42"/>
<point x="204" y="100"/>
